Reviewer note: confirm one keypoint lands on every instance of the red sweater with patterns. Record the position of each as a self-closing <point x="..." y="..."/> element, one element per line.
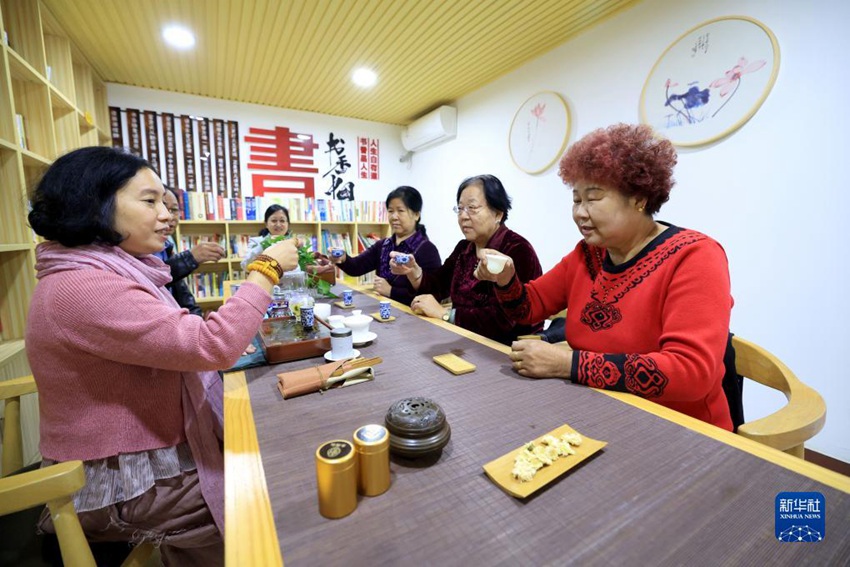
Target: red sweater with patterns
<point x="655" y="326"/>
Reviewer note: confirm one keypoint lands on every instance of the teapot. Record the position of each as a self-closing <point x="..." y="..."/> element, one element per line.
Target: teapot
<point x="359" y="325"/>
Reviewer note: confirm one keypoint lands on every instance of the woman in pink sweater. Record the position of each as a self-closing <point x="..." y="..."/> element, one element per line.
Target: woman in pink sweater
<point x="127" y="379"/>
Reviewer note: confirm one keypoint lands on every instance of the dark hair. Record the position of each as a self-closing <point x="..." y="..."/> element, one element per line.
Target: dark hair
<point x="269" y="212"/>
<point x="74" y="203"/>
<point x="173" y="191"/>
<point x="412" y="200"/>
<point x="629" y="158"/>
<point x="494" y="192"/>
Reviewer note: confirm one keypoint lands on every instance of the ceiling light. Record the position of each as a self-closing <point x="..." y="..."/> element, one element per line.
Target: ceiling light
<point x="364" y="77"/>
<point x="178" y="36"/>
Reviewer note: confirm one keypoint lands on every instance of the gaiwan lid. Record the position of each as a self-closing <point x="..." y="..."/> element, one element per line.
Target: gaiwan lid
<point x="417" y="427"/>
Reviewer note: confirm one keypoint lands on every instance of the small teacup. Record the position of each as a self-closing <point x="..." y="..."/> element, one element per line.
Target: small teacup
<point x="495" y="264"/>
<point x="307" y="317"/>
<point x="347" y="297"/>
<point x="337" y="252"/>
<point x="322" y="310"/>
<point x="336" y="321"/>
<point x="384" y="309"/>
<point x="402" y="258"/>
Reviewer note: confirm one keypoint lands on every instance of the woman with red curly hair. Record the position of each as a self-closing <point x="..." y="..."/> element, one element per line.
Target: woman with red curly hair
<point x="648" y="303"/>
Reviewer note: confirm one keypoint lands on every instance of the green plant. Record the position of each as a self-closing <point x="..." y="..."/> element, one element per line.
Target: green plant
<point x="306" y="257"/>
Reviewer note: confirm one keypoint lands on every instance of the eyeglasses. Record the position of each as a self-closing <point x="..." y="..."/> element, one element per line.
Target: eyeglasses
<point x="469" y="210"/>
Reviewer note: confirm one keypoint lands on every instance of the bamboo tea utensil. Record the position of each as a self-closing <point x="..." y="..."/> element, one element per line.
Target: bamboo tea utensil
<point x="322" y="321"/>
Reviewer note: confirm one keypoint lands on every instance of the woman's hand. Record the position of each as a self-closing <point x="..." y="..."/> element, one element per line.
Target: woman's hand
<point x="427" y="305"/>
<point x="539" y="359"/>
<point x="410" y="267"/>
<point x="207" y="252"/>
<point x="285" y="252"/>
<point x="337" y="259"/>
<point x="501" y="279"/>
<point x="382" y="286"/>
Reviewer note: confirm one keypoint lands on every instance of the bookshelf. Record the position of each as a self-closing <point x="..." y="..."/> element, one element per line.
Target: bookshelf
<point x="51" y="102"/>
<point x="212" y="275"/>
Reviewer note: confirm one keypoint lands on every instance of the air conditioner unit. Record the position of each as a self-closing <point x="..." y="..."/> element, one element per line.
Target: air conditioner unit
<point x="433" y="128"/>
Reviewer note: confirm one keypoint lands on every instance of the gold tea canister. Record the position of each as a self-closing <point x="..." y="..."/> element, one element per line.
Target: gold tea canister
<point x="373" y="450"/>
<point x="336" y="478"/>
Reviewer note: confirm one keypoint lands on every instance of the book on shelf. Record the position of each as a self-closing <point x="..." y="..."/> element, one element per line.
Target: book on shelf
<point x="20" y="126"/>
<point x="367" y="240"/>
<point x="204" y="205"/>
<point x="250" y="209"/>
<point x="189" y="241"/>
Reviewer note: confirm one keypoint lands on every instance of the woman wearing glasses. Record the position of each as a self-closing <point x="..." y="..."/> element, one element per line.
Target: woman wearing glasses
<point x="482" y="209"/>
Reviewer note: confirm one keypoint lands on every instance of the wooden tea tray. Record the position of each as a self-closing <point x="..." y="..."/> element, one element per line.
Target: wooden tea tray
<point x="283" y="339"/>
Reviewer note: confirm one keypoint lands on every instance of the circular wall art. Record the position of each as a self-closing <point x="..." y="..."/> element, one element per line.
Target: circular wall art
<point x="711" y="80"/>
<point x="539" y="132"/>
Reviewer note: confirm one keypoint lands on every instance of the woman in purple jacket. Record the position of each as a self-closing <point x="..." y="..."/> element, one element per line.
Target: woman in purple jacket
<point x="404" y="209"/>
<point x="482" y="209"/>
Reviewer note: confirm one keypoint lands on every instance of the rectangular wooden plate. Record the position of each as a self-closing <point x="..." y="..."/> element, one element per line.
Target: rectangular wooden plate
<point x="499" y="470"/>
<point x="377" y="317"/>
<point x="454" y="364"/>
<point x="342" y="305"/>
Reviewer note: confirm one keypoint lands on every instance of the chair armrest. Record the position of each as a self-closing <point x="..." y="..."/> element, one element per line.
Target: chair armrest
<point x="793" y="424"/>
<point x="25" y="490"/>
<point x="17" y="387"/>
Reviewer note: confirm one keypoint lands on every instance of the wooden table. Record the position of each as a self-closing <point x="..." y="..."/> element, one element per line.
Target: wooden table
<point x="667" y="489"/>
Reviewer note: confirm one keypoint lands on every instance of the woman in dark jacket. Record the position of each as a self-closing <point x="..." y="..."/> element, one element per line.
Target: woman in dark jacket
<point x="404" y="209"/>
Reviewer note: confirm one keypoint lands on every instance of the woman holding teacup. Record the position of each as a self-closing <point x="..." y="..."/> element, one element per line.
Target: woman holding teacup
<point x="482" y="209"/>
<point x="648" y="302"/>
<point x="404" y="210"/>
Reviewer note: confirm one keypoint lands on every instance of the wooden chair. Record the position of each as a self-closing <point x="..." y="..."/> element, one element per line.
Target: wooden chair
<point x="54" y="486"/>
<point x="801" y="419"/>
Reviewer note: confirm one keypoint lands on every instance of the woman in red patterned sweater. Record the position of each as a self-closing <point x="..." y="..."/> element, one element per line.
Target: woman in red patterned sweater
<point x="648" y="303"/>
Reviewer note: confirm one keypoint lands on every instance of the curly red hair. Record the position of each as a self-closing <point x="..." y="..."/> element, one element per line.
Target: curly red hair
<point x="626" y="157"/>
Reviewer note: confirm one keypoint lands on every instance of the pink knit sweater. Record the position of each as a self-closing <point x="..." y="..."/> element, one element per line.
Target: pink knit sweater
<point x="107" y="356"/>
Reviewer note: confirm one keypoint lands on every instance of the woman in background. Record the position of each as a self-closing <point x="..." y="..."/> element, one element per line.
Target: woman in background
<point x="184" y="263"/>
<point x="482" y="209"/>
<point x="648" y="303"/>
<point x="404" y="210"/>
<point x="277" y="223"/>
<point x="126" y="378"/>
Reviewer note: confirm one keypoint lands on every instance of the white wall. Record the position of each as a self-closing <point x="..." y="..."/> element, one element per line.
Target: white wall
<point x="257" y="116"/>
<point x="775" y="193"/>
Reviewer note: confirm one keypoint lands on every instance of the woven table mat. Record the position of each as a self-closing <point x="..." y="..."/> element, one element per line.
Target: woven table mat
<point x="658" y="493"/>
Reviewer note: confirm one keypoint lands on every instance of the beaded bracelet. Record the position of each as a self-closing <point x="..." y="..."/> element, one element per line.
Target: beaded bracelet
<point x="270" y="262"/>
<point x="268" y="274"/>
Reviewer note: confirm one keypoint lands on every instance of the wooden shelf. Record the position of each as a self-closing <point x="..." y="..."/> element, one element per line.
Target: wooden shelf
<point x="9" y="349"/>
<point x="48" y="88"/>
<point x="15" y="247"/>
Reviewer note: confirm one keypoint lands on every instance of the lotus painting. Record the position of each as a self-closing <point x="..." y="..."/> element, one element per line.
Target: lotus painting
<point x="710" y="81"/>
<point x="539" y="132"/>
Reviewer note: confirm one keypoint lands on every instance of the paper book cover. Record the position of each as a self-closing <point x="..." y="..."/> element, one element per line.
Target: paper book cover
<point x="210" y="202"/>
<point x="250" y="209"/>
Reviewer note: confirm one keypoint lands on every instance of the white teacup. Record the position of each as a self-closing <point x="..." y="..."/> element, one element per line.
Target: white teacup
<point x="336" y="321"/>
<point x="495" y="264"/>
<point x="322" y="310"/>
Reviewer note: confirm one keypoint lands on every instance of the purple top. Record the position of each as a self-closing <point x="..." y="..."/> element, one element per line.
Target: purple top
<point x="474" y="301"/>
<point x="376" y="257"/>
